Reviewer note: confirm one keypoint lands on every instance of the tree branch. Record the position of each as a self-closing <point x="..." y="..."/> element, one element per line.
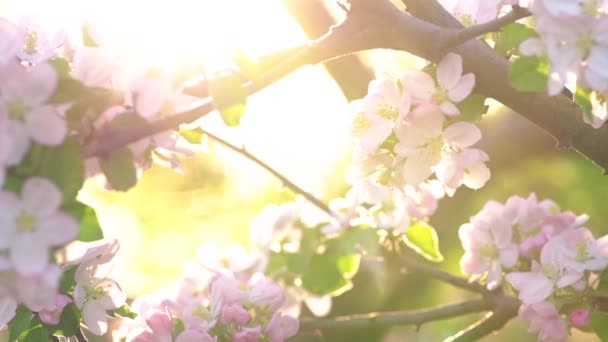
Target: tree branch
<point x="460" y="36"/>
<point x="505" y="308"/>
<point x="295" y="188"/>
<point x="414" y="317"/>
<point x="443" y="276"/>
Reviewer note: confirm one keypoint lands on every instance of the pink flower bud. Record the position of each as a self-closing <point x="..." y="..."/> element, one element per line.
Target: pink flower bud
<point x="579" y="318"/>
<point x="235" y="313"/>
<point x="160" y="322"/>
<point x="247" y="334"/>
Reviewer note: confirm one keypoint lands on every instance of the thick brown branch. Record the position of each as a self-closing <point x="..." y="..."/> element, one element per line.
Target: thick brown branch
<point x="415" y="317"/>
<point x="379" y="24"/>
<point x="460" y="36"/>
<point x="289" y="184"/>
<point x="505" y="309"/>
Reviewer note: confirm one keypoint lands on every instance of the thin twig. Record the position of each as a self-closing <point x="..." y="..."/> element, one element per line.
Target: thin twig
<point x="80" y="336"/>
<point x="414" y="317"/>
<point x="291" y="185"/>
<point x="443" y="276"/>
<point x="460" y="36"/>
<point x="55" y="338"/>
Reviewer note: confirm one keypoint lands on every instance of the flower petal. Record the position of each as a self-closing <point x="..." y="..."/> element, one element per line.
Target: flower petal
<point x="8" y="308"/>
<point x="450" y="109"/>
<point x="463" y="88"/>
<point x="29" y="254"/>
<point x="94" y="317"/>
<point x="462" y="134"/>
<point x="449" y="70"/>
<point x="45" y="126"/>
<point x="40" y="197"/>
<point x="57" y="229"/>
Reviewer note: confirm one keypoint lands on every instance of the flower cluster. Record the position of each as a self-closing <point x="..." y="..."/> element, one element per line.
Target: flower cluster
<point x="213" y="303"/>
<point x="572" y="36"/>
<point x="546" y="255"/>
<point x="408" y="130"/>
<point x="471" y="12"/>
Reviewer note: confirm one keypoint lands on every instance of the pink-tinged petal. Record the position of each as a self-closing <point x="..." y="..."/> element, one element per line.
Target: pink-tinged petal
<point x="93" y="67"/>
<point x="463" y="88"/>
<point x="418" y="168"/>
<point x="57" y="229"/>
<point x="115" y="296"/>
<point x="32" y="85"/>
<point x="45" y="126"/>
<point x="476" y="176"/>
<point x="29" y="254"/>
<point x="419" y="85"/>
<point x="449" y="70"/>
<point x="20" y="142"/>
<point x="462" y="134"/>
<point x="9" y="45"/>
<point x="319" y="305"/>
<point x="150" y="94"/>
<point x="472" y="264"/>
<point x="95" y="319"/>
<point x="8" y="308"/>
<point x="449" y="109"/>
<point x="424" y="123"/>
<point x="160" y="322"/>
<point x="40" y="197"/>
<point x="533" y="287"/>
<point x="508" y="256"/>
<point x="531" y="47"/>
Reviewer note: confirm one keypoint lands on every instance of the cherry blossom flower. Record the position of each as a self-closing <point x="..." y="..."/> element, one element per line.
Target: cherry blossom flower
<point x="31" y="223"/>
<point x="422" y="142"/>
<point x="39" y="42"/>
<point x="281" y="327"/>
<point x="545" y="320"/>
<point x="23" y="96"/>
<point x="580" y="318"/>
<point x="453" y="86"/>
<point x="51" y="314"/>
<point x="487" y="241"/>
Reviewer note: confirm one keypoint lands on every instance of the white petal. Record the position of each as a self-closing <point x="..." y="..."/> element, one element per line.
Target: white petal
<point x="8" y="308"/>
<point x="115" y="296"/>
<point x="20" y="142"/>
<point x="29" y="254"/>
<point x="463" y="88"/>
<point x="45" y="126"/>
<point x="57" y="229"/>
<point x="450" y="109"/>
<point x="40" y="196"/>
<point x="424" y="123"/>
<point x="462" y="134"/>
<point x="33" y="85"/>
<point x="476" y="176"/>
<point x="419" y="85"/>
<point x="95" y="319"/>
<point x="418" y="168"/>
<point x="449" y="70"/>
<point x="11" y="207"/>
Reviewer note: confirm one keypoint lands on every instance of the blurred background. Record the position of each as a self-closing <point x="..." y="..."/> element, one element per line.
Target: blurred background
<point x="298" y="126"/>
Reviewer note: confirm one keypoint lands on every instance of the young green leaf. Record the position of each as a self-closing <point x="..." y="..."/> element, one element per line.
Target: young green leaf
<point x="511" y="36"/>
<point x="90" y="230"/>
<point x="20" y="323"/>
<point x="423" y="239"/>
<point x="119" y="169"/>
<point x="229" y="97"/>
<point x="529" y="74"/>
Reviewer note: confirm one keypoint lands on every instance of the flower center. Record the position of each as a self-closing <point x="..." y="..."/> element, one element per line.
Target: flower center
<point x="26" y="223"/>
<point x="387" y="112"/>
<point x="440" y="96"/>
<point x="361" y="124"/>
<point x="31" y="42"/>
<point x="16" y="110"/>
<point x="96" y="292"/>
<point x="489" y="251"/>
<point x="582" y="254"/>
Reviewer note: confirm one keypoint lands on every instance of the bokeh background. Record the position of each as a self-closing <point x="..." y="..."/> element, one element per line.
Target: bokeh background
<point x="298" y="126"/>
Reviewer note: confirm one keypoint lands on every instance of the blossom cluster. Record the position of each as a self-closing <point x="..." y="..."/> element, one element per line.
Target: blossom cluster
<point x="408" y="130"/>
<point x="572" y="35"/>
<point x="219" y="298"/>
<point x="545" y="255"/>
<point x="33" y="108"/>
<point x="472" y="12"/>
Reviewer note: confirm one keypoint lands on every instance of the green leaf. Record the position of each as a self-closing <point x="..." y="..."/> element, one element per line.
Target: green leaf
<point x="124" y="311"/>
<point x="37" y="333"/>
<point x="68" y="280"/>
<point x="355" y="239"/>
<point x="529" y="74"/>
<point x="62" y="164"/>
<point x="19" y="323"/>
<point x="90" y="230"/>
<point x="61" y="66"/>
<point x="472" y="108"/>
<point x="299" y="262"/>
<point x="119" y="169"/>
<point x="511" y="36"/>
<point x="229" y="97"/>
<point x="599" y="323"/>
<point x="69" y="323"/>
<point x="349" y="265"/>
<point x="68" y="90"/>
<point x="324" y="277"/>
<point x="423" y="239"/>
<point x="583" y="99"/>
<point x="193" y="136"/>
<point x="178" y="327"/>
